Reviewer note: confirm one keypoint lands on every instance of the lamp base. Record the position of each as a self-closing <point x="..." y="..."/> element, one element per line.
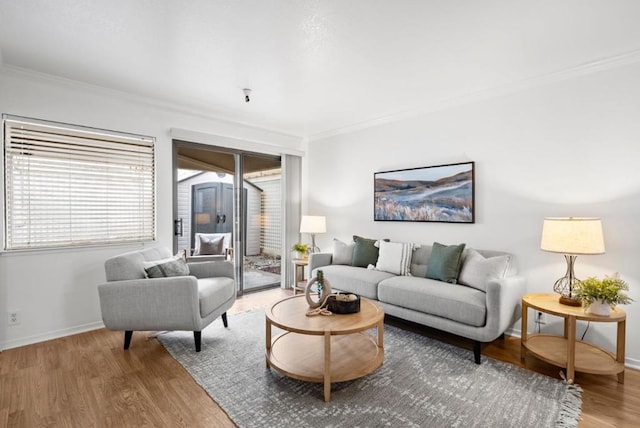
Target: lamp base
<point x="569" y="301"/>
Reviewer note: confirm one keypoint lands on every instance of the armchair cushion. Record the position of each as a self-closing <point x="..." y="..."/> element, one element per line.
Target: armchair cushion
<point x="174" y="266"/>
<point x="226" y="241"/>
<point x="211" y="245"/>
<point x="213" y="292"/>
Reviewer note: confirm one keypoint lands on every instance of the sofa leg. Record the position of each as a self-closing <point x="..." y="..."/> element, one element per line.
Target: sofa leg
<point x="501" y="336"/>
<point x="127" y="338"/>
<point x="197" y="337"/>
<point x="224" y="320"/>
<point x="476" y="351"/>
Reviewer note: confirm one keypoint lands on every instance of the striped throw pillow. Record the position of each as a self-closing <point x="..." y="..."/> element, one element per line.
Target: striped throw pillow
<point x="395" y="257"/>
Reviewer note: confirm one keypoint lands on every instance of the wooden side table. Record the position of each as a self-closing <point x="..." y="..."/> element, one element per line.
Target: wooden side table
<point x="299" y="281"/>
<point x="566" y="351"/>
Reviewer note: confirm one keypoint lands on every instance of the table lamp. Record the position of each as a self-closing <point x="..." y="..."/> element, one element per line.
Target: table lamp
<point x="313" y="224"/>
<point x="571" y="236"/>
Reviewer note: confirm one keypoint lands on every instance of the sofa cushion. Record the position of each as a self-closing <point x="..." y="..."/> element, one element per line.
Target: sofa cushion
<point x="477" y="270"/>
<point x="356" y="280"/>
<point x="419" y="260"/>
<point x="445" y="262"/>
<point x="455" y="302"/>
<point x="394" y="257"/>
<point x="342" y="252"/>
<point x="365" y="252"/>
<point x="213" y="292"/>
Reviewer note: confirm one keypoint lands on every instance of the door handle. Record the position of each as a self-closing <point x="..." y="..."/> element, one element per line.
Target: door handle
<point x="177" y="227"/>
<point x="224" y="218"/>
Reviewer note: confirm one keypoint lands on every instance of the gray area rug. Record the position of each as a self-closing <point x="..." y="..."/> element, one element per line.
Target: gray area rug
<point x="422" y="383"/>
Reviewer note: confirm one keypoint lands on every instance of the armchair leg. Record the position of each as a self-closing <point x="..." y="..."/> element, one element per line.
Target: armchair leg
<point x="127" y="338"/>
<point x="476" y="351"/>
<point x="197" y="336"/>
<point x="224" y="320"/>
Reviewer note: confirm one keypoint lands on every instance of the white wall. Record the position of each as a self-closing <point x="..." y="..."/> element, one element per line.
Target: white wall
<point x="56" y="291"/>
<point x="569" y="148"/>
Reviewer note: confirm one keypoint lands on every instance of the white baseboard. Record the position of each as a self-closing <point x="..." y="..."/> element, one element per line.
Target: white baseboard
<point x="50" y="335"/>
<point x="630" y="363"/>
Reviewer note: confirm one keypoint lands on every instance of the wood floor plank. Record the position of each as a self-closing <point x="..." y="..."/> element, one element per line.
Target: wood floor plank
<point x="88" y="380"/>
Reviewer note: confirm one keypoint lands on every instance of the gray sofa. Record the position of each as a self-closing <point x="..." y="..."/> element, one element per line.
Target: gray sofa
<point x="130" y="301"/>
<point x="481" y="306"/>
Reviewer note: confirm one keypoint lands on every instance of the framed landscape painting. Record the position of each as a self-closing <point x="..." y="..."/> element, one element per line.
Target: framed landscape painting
<point x="442" y="193"/>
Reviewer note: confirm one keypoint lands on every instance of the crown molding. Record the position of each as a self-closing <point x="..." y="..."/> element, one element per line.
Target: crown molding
<point x="592" y="67"/>
<point x="617" y="61"/>
<point x="205" y="113"/>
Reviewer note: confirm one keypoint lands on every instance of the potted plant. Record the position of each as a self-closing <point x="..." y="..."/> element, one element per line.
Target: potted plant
<point x="300" y="249"/>
<point x="598" y="295"/>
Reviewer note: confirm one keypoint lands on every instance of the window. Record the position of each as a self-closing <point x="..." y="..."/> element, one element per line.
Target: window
<point x="69" y="186"/>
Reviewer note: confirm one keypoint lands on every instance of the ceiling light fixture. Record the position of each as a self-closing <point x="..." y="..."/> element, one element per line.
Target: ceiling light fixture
<point x="246" y="92"/>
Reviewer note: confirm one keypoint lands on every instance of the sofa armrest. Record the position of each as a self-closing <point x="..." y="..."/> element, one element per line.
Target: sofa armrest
<point x="211" y="269"/>
<point x="504" y="299"/>
<point x="150" y="304"/>
<point x="317" y="260"/>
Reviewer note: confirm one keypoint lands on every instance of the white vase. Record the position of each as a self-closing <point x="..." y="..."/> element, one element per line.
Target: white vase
<point x="600" y="307"/>
<point x="308" y="292"/>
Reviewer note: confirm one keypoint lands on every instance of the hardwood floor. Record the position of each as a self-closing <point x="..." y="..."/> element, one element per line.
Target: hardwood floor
<point x="88" y="380"/>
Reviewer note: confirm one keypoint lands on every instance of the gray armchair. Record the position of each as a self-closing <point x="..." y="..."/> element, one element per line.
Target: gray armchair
<point x="130" y="301"/>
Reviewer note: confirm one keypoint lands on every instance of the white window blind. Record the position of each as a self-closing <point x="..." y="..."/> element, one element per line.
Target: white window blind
<point x="72" y="186"/>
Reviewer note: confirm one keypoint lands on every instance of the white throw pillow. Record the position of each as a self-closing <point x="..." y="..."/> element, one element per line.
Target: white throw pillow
<point x="477" y="270"/>
<point x="395" y="257"/>
<point x="342" y="252"/>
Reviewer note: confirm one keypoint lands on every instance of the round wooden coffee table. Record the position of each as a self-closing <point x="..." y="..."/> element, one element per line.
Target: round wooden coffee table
<point x="321" y="348"/>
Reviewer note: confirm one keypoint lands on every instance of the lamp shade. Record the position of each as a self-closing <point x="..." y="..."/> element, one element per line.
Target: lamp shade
<point x="313" y="224"/>
<point x="572" y="235"/>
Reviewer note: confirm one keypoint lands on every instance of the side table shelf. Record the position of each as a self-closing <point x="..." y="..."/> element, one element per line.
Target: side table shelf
<point x="566" y="351"/>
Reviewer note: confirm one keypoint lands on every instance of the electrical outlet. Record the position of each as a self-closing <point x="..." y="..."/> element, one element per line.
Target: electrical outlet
<point x="14" y="318"/>
<point x="541" y="317"/>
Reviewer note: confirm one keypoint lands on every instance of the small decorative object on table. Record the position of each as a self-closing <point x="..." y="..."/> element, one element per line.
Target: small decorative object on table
<point x="323" y="290"/>
<point x="598" y="295"/>
<point x="343" y="303"/>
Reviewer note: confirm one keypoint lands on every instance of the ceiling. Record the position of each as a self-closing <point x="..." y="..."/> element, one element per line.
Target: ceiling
<point x="315" y="67"/>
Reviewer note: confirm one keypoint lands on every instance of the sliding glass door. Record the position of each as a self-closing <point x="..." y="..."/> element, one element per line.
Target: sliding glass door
<point x="228" y="205"/>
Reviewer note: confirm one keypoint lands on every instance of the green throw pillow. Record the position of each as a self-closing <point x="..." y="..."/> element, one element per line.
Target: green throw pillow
<point x="365" y="252"/>
<point x="445" y="262"/>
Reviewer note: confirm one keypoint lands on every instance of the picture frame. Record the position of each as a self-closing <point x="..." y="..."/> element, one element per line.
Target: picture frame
<point x="439" y="193"/>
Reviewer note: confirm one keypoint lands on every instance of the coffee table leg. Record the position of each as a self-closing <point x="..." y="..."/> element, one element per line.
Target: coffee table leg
<point x="327" y="366"/>
<point x="268" y="342"/>
<point x="380" y="334"/>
